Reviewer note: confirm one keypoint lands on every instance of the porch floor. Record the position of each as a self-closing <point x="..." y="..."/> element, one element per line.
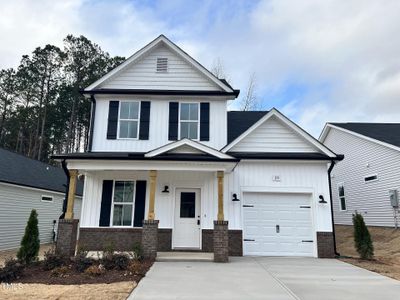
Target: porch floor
<point x="184" y="256"/>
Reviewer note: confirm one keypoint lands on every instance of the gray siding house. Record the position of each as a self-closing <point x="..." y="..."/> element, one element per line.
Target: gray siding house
<point x="369" y="173"/>
<point x="27" y="184"/>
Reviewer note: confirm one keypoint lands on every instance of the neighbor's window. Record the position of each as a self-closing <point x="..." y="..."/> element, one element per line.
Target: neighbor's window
<point x="129" y="120"/>
<point x="371" y="178"/>
<point x="47" y="198"/>
<point x="342" y="198"/>
<point x="123" y="203"/>
<point x="189" y="120"/>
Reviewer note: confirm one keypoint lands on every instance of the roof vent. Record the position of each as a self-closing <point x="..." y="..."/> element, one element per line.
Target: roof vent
<point x="162" y="64"/>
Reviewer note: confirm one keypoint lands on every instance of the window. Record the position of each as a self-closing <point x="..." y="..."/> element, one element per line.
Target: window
<point x="189" y="120"/>
<point x="123" y="203"/>
<point x="371" y="178"/>
<point x="342" y="198"/>
<point x="188" y="205"/>
<point x="129" y="120"/>
<point x="46" y="198"/>
<point x="162" y="64"/>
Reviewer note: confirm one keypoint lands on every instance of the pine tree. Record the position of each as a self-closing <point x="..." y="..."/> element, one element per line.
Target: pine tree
<point x="362" y="237"/>
<point x="30" y="243"/>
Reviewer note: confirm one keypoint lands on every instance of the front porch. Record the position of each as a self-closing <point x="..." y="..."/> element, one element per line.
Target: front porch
<point x="173" y="207"/>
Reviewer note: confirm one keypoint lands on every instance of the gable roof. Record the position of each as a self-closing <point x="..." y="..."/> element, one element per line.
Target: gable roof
<point x="287" y="122"/>
<point x="387" y="134"/>
<point x="195" y="146"/>
<point x="21" y="170"/>
<point x="240" y="121"/>
<point x="221" y="83"/>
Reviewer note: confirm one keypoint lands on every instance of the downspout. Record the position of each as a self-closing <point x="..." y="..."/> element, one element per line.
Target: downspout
<point x="64" y="208"/>
<point x="331" y="201"/>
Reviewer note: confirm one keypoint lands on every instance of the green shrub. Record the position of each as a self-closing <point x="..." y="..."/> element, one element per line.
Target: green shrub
<point x="81" y="262"/>
<point x="362" y="237"/>
<point x="12" y="270"/>
<point x="52" y="260"/>
<point x="30" y="243"/>
<point x="120" y="261"/>
<point x="138" y="251"/>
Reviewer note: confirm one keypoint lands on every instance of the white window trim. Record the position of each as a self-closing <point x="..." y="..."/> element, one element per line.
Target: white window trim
<point x="126" y="203"/>
<point x="339" y="197"/>
<point x="119" y="119"/>
<point x="373" y="180"/>
<point x="51" y="201"/>
<point x="189" y="121"/>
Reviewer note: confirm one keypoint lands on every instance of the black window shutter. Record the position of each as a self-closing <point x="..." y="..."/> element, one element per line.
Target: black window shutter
<point x="173" y="121"/>
<point x="106" y="200"/>
<point x="204" y="121"/>
<point x="140" y="200"/>
<point x="112" y="120"/>
<point x="144" y="120"/>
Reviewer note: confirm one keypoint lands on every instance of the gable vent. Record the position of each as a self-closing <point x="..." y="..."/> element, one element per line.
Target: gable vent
<point x="162" y="64"/>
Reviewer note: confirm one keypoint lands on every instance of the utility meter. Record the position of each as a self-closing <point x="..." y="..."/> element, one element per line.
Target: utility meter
<point x="394" y="200"/>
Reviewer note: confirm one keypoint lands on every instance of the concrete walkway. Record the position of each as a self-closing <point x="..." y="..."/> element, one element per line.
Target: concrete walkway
<point x="264" y="278"/>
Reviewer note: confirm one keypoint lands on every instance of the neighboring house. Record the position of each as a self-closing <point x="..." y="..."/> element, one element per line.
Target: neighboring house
<point x="369" y="173"/>
<point x="164" y="147"/>
<point x="27" y="184"/>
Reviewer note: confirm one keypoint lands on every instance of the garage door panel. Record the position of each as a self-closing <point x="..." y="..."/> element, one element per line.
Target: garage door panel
<point x="292" y="212"/>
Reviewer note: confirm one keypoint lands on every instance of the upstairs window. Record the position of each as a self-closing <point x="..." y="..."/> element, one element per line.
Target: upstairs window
<point x="129" y="120"/>
<point x="342" y="198"/>
<point x="162" y="64"/>
<point x="189" y="121"/>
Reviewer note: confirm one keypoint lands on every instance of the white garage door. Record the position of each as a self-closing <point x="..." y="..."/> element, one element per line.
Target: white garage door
<point x="277" y="224"/>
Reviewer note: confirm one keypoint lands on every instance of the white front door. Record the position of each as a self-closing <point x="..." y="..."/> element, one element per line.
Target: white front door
<point x="187" y="229"/>
<point x="277" y="224"/>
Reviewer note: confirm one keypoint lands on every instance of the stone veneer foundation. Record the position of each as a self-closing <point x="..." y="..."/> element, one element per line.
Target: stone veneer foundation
<point x="325" y="245"/>
<point x="221" y="241"/>
<point x="66" y="237"/>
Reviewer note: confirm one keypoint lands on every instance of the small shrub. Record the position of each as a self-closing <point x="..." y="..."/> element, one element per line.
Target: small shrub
<point x="30" y="243"/>
<point x="136" y="268"/>
<point x="95" y="270"/>
<point x="82" y="262"/>
<point x="12" y="270"/>
<point x="109" y="249"/>
<point x="52" y="260"/>
<point x="362" y="237"/>
<point x="60" y="271"/>
<point x="138" y="251"/>
<point x="120" y="261"/>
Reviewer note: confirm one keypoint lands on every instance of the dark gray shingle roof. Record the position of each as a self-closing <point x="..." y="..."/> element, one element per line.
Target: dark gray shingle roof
<point x="240" y="121"/>
<point x="21" y="170"/>
<point x="384" y="132"/>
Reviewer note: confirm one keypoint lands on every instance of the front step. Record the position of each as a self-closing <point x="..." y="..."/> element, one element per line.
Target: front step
<point x="184" y="256"/>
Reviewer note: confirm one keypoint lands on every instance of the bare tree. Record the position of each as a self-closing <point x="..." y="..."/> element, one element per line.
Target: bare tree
<point x="249" y="101"/>
<point x="218" y="68"/>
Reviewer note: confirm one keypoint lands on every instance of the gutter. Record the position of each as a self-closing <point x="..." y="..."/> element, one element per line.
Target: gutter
<point x="64" y="208"/>
<point x="331" y="201"/>
<point x="92" y="116"/>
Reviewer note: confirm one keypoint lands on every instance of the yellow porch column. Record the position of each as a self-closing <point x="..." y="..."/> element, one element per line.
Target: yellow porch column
<point x="73" y="174"/>
<point x="220" y="176"/>
<point x="153" y="180"/>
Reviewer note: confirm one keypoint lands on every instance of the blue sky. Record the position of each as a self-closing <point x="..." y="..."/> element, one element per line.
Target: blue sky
<point x="314" y="60"/>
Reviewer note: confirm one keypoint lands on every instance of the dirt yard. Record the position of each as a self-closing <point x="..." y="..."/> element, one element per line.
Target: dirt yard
<point x="386" y="245"/>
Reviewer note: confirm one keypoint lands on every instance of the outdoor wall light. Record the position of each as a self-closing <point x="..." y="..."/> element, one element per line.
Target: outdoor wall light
<point x="166" y="189"/>
<point x="234" y="197"/>
<point x="322" y="200"/>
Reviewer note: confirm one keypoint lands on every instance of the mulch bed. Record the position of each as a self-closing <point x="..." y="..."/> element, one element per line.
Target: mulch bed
<point x="36" y="274"/>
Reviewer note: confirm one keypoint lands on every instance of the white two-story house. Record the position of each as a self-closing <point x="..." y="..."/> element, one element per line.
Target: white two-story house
<point x="168" y="167"/>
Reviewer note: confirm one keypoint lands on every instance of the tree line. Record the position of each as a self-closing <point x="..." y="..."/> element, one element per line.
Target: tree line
<point x="41" y="109"/>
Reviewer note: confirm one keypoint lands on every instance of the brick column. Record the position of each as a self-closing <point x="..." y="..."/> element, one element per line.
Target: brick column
<point x="150" y="238"/>
<point x="221" y="241"/>
<point x="325" y="245"/>
<point x="66" y="237"/>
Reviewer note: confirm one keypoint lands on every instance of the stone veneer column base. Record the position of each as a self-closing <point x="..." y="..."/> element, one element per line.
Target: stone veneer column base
<point x="66" y="237"/>
<point x="221" y="241"/>
<point x="325" y="245"/>
<point x="150" y="238"/>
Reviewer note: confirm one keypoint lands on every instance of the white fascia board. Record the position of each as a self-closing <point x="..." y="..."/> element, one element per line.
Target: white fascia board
<point x="290" y="124"/>
<point x="190" y="143"/>
<point x="329" y="126"/>
<point x="147" y="48"/>
<point x="123" y="165"/>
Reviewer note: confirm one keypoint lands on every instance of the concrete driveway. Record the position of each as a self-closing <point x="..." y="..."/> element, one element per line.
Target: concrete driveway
<point x="264" y="278"/>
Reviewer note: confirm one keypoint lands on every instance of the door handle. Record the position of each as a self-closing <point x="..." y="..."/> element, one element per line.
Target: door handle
<point x="277" y="228"/>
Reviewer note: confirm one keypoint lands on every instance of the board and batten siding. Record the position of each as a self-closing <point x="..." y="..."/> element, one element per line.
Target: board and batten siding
<point x="363" y="158"/>
<point x="142" y="74"/>
<point x="158" y="131"/>
<point x="16" y="203"/>
<point x="273" y="136"/>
